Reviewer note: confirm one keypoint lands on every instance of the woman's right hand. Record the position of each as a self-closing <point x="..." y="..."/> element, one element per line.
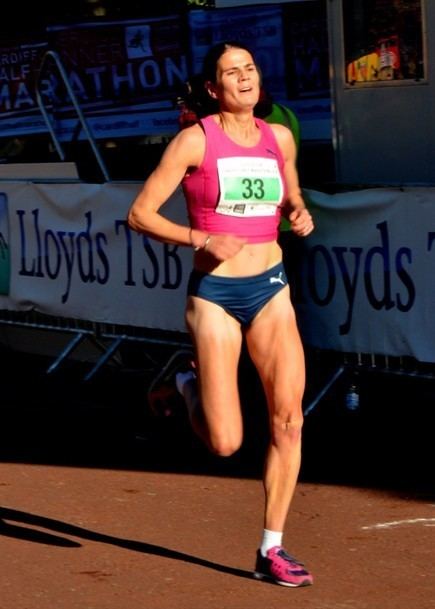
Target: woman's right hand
<point x="223" y="247"/>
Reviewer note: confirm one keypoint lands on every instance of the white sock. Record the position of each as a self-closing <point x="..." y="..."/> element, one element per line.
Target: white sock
<point x="181" y="378"/>
<point x="270" y="539"/>
<point x="186" y="385"/>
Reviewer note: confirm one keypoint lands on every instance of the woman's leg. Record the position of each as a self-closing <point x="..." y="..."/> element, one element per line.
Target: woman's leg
<point x="217" y="339"/>
<point x="275" y="348"/>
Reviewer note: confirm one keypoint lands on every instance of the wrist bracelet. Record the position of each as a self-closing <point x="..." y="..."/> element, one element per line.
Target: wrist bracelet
<point x="204" y="245"/>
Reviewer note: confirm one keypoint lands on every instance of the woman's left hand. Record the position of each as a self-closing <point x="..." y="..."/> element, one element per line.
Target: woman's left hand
<point x="301" y="222"/>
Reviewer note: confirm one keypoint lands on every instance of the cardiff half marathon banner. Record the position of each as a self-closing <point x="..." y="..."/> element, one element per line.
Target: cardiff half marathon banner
<point x="19" y="67"/>
<point x="125" y="75"/>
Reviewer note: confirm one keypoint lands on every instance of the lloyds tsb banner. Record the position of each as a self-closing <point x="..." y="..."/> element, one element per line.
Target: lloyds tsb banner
<point x="362" y="282"/>
<point x="365" y="277"/>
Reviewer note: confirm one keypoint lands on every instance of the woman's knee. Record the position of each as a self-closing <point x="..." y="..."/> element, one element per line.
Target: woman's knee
<point x="225" y="444"/>
<point x="286" y="427"/>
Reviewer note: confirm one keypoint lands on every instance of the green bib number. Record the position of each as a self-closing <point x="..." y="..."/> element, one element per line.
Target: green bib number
<point x="252" y="189"/>
<point x="249" y="186"/>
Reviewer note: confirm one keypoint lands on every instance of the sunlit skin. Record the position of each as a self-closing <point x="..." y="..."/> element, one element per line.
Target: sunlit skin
<point x="272" y="337"/>
<point x="237" y="82"/>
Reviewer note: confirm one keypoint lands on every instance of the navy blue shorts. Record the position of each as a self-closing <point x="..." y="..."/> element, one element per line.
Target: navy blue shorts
<point x="241" y="297"/>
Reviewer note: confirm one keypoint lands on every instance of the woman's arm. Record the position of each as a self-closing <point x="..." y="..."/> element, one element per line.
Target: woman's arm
<point x="185" y="151"/>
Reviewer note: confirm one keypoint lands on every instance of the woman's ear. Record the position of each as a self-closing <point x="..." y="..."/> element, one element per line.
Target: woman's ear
<point x="211" y="89"/>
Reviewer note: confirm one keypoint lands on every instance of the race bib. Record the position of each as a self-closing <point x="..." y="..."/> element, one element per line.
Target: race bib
<point x="249" y="186"/>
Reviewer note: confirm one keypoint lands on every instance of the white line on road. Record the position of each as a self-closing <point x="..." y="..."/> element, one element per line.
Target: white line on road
<point x="429" y="522"/>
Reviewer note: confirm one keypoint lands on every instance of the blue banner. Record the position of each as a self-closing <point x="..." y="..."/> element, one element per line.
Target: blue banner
<point x="260" y="28"/>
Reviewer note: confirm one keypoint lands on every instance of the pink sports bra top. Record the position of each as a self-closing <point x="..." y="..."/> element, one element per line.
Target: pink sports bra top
<point x="237" y="190"/>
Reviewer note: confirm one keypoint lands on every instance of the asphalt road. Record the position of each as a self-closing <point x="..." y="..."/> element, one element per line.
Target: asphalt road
<point x="105" y="507"/>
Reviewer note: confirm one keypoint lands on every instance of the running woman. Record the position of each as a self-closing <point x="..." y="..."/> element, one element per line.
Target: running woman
<point x="239" y="178"/>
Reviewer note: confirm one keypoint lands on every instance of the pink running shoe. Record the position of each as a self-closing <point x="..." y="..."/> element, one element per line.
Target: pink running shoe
<point x="281" y="568"/>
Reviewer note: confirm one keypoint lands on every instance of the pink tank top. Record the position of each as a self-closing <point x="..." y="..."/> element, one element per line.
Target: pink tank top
<point x="237" y="190"/>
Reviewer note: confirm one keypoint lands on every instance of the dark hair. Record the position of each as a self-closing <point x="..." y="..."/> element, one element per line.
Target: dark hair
<point x="198" y="98"/>
<point x="195" y="97"/>
<point x="209" y="66"/>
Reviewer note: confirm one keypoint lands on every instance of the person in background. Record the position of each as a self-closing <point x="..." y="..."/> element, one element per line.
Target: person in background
<point x="239" y="178"/>
<point x="273" y="112"/>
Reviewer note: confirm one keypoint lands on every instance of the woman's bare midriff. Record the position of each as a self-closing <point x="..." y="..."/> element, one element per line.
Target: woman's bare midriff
<point x="253" y="258"/>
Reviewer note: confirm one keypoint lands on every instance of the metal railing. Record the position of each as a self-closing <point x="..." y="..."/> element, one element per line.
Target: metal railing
<point x="54" y="57"/>
<point x="107" y="339"/>
<point x="352" y="368"/>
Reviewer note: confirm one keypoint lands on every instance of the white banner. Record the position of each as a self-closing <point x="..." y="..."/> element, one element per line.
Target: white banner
<point x="365" y="280"/>
<point x="362" y="282"/>
<point x="72" y="255"/>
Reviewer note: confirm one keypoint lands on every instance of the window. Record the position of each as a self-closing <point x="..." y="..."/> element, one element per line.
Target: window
<point x="383" y="41"/>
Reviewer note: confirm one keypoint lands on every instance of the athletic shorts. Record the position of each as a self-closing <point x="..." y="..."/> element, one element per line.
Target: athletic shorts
<point x="241" y="297"/>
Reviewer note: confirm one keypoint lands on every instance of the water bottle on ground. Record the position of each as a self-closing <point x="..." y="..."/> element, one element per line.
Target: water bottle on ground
<point x="352" y="402"/>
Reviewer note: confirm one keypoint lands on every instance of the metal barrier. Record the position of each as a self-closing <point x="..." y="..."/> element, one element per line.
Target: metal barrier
<point x="107" y="339"/>
<point x="356" y="364"/>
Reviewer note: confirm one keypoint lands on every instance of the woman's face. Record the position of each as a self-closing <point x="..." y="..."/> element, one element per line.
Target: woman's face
<point x="237" y="84"/>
